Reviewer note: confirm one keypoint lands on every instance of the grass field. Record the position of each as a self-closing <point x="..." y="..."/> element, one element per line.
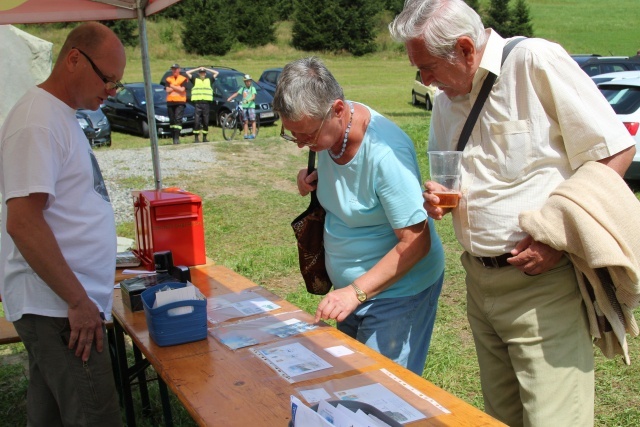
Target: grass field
<point x="249" y="194"/>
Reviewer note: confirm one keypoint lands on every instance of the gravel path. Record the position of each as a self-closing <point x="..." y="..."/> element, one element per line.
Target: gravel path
<point x="117" y="165"/>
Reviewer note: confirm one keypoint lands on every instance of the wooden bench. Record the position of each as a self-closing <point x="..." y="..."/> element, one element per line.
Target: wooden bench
<point x="8" y="334"/>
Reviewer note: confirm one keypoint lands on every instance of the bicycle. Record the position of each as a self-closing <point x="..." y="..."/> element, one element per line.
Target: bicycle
<point x="234" y="121"/>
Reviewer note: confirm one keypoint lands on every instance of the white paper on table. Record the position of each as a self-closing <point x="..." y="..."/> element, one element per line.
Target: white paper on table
<point x="339" y="351"/>
<point x="303" y="416"/>
<point x="383" y="399"/>
<point x="255" y="306"/>
<point x="294" y="359"/>
<point x="178" y="294"/>
<point x="345" y="417"/>
<point x="137" y="272"/>
<point x="315" y="395"/>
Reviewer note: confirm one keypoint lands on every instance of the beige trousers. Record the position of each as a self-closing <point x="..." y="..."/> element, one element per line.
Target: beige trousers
<point x="533" y="344"/>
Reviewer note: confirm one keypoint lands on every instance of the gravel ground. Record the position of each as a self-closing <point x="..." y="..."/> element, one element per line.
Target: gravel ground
<point x="117" y="165"/>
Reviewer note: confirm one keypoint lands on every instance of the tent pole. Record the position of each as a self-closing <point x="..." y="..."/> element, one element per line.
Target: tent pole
<point x="146" y="71"/>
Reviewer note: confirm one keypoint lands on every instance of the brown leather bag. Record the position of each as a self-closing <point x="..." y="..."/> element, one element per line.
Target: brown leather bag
<point x="308" y="228"/>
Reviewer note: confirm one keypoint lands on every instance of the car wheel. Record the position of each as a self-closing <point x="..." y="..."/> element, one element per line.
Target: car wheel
<point x="427" y="103"/>
<point x="222" y="115"/>
<point x="144" y="129"/>
<point x="414" y="100"/>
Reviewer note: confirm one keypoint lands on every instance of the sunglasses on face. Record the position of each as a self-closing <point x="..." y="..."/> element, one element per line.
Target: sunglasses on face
<point x="295" y="140"/>
<point x="108" y="84"/>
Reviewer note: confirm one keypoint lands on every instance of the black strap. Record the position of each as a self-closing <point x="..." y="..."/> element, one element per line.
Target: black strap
<point x="482" y="96"/>
<point x="311" y="166"/>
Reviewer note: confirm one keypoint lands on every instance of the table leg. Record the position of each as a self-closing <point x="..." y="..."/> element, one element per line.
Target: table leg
<point x="166" y="405"/>
<point x="142" y="381"/>
<point x="125" y="384"/>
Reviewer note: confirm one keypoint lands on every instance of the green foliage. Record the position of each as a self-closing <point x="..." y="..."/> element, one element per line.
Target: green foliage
<point x="255" y="22"/>
<point x="499" y="17"/>
<point x="283" y="9"/>
<point x="207" y="27"/>
<point x="335" y="25"/>
<point x="509" y="22"/>
<point x="126" y="31"/>
<point x="394" y="6"/>
<point x="521" y="20"/>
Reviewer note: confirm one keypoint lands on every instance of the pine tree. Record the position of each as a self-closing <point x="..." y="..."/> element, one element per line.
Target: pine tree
<point x="499" y="17"/>
<point x="255" y="22"/>
<point x="335" y="25"/>
<point x="521" y="21"/>
<point x="207" y="27"/>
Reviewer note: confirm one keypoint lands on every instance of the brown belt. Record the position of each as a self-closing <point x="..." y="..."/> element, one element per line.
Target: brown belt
<point x="494" y="261"/>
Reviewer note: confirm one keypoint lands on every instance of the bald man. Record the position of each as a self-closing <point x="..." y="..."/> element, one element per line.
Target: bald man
<point x="57" y="254"/>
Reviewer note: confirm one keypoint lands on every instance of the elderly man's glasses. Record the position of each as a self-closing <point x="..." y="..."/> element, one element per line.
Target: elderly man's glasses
<point x="108" y="84"/>
<point x="295" y="140"/>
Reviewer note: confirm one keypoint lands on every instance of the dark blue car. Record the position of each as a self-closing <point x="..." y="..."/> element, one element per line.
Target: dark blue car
<point x="269" y="79"/>
<point x="127" y="111"/>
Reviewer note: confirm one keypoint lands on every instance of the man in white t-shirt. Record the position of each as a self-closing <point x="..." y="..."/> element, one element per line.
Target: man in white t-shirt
<point x="57" y="258"/>
<point x="543" y="119"/>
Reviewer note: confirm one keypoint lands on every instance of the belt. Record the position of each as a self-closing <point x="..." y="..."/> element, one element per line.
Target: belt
<point x="494" y="261"/>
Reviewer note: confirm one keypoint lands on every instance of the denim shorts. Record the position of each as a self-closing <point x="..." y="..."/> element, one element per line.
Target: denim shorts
<point x="249" y="114"/>
<point x="399" y="328"/>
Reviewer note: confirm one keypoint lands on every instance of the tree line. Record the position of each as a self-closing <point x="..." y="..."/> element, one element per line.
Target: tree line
<point x="212" y="27"/>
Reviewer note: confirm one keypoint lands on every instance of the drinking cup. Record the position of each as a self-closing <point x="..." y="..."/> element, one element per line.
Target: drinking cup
<point x="444" y="167"/>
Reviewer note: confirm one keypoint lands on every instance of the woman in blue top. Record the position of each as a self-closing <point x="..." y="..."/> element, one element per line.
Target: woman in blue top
<point x="383" y="255"/>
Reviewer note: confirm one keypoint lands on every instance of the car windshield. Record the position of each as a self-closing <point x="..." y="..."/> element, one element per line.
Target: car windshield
<point x="623" y="99"/>
<point x="233" y="82"/>
<point x="159" y="95"/>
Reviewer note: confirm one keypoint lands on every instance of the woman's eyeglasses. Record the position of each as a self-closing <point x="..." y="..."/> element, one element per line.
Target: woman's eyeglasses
<point x="108" y="84"/>
<point x="295" y="140"/>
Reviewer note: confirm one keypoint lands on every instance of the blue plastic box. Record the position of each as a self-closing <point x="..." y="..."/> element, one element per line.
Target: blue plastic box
<point x="168" y="330"/>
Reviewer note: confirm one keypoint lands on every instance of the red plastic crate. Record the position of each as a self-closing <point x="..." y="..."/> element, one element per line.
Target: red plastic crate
<point x="169" y="220"/>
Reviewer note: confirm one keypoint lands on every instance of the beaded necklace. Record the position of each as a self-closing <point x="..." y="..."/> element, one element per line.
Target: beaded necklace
<point x="346" y="136"/>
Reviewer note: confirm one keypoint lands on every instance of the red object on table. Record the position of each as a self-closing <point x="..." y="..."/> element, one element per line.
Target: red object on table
<point x="169" y="220"/>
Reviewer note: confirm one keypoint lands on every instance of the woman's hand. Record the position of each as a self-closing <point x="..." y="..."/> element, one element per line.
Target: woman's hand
<point x="307" y="183"/>
<point x="337" y="304"/>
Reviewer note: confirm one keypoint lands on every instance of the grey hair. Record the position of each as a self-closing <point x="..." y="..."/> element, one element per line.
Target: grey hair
<point x="306" y="88"/>
<point x="440" y="23"/>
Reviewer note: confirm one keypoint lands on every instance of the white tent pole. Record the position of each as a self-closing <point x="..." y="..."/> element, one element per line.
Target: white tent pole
<point x="146" y="72"/>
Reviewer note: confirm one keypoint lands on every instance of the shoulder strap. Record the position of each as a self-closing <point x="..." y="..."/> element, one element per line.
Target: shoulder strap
<point x="483" y="95"/>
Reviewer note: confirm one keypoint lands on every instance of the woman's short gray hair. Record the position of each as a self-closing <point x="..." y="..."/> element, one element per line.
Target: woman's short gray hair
<point x="306" y="88"/>
<point x="440" y="23"/>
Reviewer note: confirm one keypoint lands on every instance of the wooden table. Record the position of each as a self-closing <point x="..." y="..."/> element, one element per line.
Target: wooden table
<point x="223" y="387"/>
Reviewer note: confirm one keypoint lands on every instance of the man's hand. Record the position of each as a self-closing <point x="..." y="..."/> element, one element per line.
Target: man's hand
<point x="533" y="257"/>
<point x="86" y="328"/>
<point x="430" y="200"/>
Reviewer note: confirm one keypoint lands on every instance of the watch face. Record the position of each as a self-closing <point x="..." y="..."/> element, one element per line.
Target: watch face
<point x="362" y="297"/>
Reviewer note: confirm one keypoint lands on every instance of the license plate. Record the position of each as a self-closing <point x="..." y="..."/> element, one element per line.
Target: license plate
<point x="265" y="115"/>
<point x="186" y="130"/>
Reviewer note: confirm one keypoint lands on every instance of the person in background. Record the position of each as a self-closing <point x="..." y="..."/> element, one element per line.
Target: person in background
<point x="382" y="252"/>
<point x="248" y="93"/>
<point x="176" y="100"/>
<point x="543" y="119"/>
<point x="201" y="97"/>
<point x="58" y="251"/>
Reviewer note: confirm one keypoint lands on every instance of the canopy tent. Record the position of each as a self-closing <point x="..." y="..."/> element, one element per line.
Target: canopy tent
<point x="41" y="11"/>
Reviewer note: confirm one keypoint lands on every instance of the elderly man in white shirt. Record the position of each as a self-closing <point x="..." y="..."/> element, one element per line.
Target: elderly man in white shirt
<point x="543" y="119"/>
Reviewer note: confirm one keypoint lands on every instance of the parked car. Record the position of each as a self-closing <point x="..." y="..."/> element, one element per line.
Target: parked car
<point x="96" y="126"/>
<point x="624" y="97"/>
<point x="421" y="93"/>
<point x="127" y="111"/>
<point x="601" y="78"/>
<point x="596" y="64"/>
<point x="229" y="80"/>
<point x="269" y="79"/>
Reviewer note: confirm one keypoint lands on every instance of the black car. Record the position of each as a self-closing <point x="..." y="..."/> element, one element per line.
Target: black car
<point x="96" y="127"/>
<point x="269" y="79"/>
<point x="594" y="64"/>
<point x="127" y="111"/>
<point x="229" y="81"/>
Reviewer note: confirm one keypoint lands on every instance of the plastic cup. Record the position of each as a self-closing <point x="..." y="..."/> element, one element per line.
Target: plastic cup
<point x="444" y="167"/>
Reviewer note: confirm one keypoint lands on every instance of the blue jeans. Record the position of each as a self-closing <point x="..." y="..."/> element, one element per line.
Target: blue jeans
<point x="399" y="328"/>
